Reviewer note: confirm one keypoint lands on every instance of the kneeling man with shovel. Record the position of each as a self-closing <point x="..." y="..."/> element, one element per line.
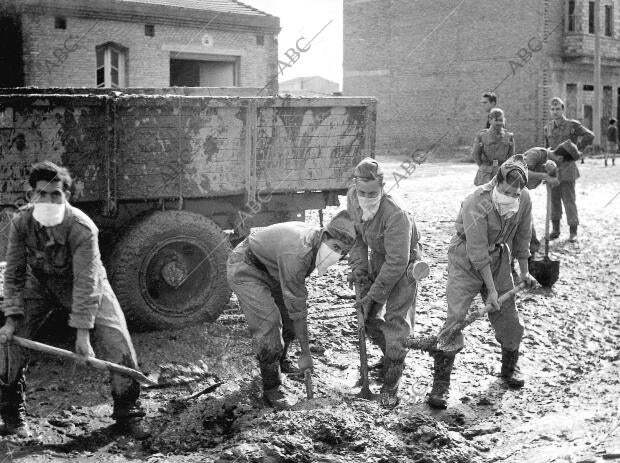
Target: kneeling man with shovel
<point x="479" y="261"/>
<point x="53" y="262"/>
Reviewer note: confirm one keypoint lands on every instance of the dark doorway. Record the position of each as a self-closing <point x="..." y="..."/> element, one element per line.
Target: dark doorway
<point x="587" y="116"/>
<point x="11" y="55"/>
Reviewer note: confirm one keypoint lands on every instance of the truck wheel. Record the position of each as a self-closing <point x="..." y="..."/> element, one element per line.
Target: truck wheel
<point x="169" y="270"/>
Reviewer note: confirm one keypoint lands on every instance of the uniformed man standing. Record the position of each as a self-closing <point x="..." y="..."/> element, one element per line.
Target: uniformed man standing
<point x="488" y="102"/>
<point x="267" y="272"/>
<point x="387" y="243"/>
<point x="53" y="262"/>
<point x="557" y="131"/>
<point x="492" y="147"/>
<point x="496" y="215"/>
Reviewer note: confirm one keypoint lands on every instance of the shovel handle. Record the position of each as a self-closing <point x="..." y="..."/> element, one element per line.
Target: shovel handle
<point x="361" y="332"/>
<point x="92" y="361"/>
<point x="503" y="298"/>
<point x="308" y="381"/>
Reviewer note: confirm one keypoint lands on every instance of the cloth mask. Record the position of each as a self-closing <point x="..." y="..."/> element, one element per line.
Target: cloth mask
<point x="325" y="258"/>
<point x="369" y="206"/>
<point x="49" y="214"/>
<point x="506" y="206"/>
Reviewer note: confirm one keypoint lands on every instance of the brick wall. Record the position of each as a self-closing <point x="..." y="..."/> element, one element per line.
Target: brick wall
<point x="428" y="63"/>
<point x="57" y="57"/>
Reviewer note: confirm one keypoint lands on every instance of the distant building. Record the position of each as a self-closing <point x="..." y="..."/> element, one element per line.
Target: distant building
<point x="429" y="62"/>
<point x="309" y="86"/>
<point x="137" y="43"/>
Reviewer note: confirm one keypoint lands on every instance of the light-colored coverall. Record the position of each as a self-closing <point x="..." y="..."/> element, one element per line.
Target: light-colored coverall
<point x="274" y="295"/>
<point x="555" y="133"/>
<point x="60" y="268"/>
<point x="482" y="238"/>
<point x="384" y="247"/>
<point x="489" y="151"/>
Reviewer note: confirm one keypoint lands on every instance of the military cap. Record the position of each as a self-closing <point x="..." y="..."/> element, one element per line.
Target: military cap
<point x="515" y="162"/>
<point x="568" y="150"/>
<point x="368" y="169"/>
<point x="341" y="228"/>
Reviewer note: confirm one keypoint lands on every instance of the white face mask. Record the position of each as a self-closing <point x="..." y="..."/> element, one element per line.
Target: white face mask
<point x="325" y="258"/>
<point x="369" y="206"/>
<point x="49" y="214"/>
<point x="506" y="206"/>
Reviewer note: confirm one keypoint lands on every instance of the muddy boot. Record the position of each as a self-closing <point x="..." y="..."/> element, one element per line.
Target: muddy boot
<point x="573" y="234"/>
<point x="555" y="233"/>
<point x="392" y="372"/>
<point x="510" y="370"/>
<point x="438" y="397"/>
<point x="134" y="427"/>
<point x="128" y="412"/>
<point x="13" y="410"/>
<point x="272" y="395"/>
<point x="286" y="365"/>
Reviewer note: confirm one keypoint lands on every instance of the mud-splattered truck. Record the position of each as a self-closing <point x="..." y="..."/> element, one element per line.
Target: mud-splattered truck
<point x="171" y="179"/>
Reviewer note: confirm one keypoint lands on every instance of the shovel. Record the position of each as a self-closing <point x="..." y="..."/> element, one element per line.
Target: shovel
<point x="444" y="341"/>
<point x="546" y="271"/>
<point x="168" y="375"/>
<point x="365" y="393"/>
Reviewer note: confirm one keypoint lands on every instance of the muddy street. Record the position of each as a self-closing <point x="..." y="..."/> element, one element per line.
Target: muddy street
<point x="568" y="411"/>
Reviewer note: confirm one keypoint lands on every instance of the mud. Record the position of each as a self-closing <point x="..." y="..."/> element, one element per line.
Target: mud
<point x="567" y="412"/>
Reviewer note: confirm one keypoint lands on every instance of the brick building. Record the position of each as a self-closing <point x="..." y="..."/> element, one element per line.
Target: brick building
<point x="429" y="61"/>
<point x="136" y="43"/>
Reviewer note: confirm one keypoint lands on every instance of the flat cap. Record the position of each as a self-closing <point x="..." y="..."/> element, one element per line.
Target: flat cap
<point x="341" y="228"/>
<point x="568" y="150"/>
<point x="368" y="169"/>
<point x="516" y="162"/>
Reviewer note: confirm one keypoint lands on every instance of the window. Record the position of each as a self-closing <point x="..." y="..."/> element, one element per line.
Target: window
<point x="204" y="73"/>
<point x="260" y="39"/>
<point x="609" y="28"/>
<point x="60" y="22"/>
<point x="588" y="88"/>
<point x="591" y="17"/>
<point x="571" y="16"/>
<point x="149" y="30"/>
<point x="111" y="65"/>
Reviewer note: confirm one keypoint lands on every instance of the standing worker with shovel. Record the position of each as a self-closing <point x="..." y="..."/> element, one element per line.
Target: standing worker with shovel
<point x="267" y="271"/>
<point x="53" y="262"/>
<point x="387" y="243"/>
<point x="479" y="261"/>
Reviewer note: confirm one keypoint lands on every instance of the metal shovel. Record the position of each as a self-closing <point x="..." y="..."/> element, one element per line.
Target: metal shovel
<point x="546" y="271"/>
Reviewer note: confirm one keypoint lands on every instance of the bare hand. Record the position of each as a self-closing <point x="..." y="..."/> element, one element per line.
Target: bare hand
<point x="360" y="277"/>
<point x="364" y="305"/>
<point x="529" y="280"/>
<point x="305" y="362"/>
<point x="82" y="344"/>
<point x="552" y="181"/>
<point x="6" y="332"/>
<point x="492" y="300"/>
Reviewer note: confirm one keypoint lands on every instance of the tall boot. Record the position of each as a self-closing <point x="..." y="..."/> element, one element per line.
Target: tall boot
<point x="438" y="397"/>
<point x="128" y="412"/>
<point x="392" y="372"/>
<point x="555" y="233"/>
<point x="510" y="370"/>
<point x="286" y="365"/>
<point x="13" y="410"/>
<point x="573" y="233"/>
<point x="272" y="395"/>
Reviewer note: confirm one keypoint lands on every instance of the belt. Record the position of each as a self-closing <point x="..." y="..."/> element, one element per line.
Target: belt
<point x="253" y="260"/>
<point x="494" y="163"/>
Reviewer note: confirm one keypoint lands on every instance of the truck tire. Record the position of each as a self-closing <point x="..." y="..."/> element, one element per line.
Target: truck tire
<point x="169" y="270"/>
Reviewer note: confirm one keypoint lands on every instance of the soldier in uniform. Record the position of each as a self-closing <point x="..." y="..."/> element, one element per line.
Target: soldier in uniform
<point x="557" y="131"/>
<point x="267" y="272"/>
<point x="492" y="147"/>
<point x="387" y="243"/>
<point x="53" y="262"/>
<point x="493" y="217"/>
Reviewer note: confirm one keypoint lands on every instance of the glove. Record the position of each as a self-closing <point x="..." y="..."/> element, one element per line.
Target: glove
<point x="364" y="305"/>
<point x="360" y="277"/>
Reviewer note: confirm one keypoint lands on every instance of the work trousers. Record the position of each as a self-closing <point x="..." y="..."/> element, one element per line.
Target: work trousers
<point x="112" y="342"/>
<point x="464" y="283"/>
<point x="388" y="325"/>
<point x="564" y="193"/>
<point x="261" y="301"/>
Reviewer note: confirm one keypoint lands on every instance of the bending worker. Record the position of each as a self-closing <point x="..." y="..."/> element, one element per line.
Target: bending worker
<point x="495" y="215"/>
<point x="267" y="272"/>
<point x="387" y="242"/>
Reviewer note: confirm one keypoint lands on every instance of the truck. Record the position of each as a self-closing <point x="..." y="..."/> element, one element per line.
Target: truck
<point x="172" y="179"/>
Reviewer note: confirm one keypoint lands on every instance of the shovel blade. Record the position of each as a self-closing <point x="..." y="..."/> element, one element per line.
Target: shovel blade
<point x="546" y="271"/>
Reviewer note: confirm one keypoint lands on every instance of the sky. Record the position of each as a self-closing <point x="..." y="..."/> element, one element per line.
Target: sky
<point x="305" y="18"/>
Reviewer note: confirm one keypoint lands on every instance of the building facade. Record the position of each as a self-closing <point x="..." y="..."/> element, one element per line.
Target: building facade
<point x="137" y="43"/>
<point x="428" y="62"/>
<point x="309" y="86"/>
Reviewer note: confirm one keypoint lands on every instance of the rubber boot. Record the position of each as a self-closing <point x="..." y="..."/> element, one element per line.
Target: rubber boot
<point x="510" y="370"/>
<point x="573" y="234"/>
<point x="272" y="395"/>
<point x="438" y="397"/>
<point x="286" y="365"/>
<point x="555" y="233"/>
<point x="605" y="162"/>
<point x="13" y="410"/>
<point x="128" y="412"/>
<point x="392" y="372"/>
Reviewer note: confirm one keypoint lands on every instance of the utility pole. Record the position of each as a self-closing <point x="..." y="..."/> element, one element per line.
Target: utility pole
<point x="596" y="123"/>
